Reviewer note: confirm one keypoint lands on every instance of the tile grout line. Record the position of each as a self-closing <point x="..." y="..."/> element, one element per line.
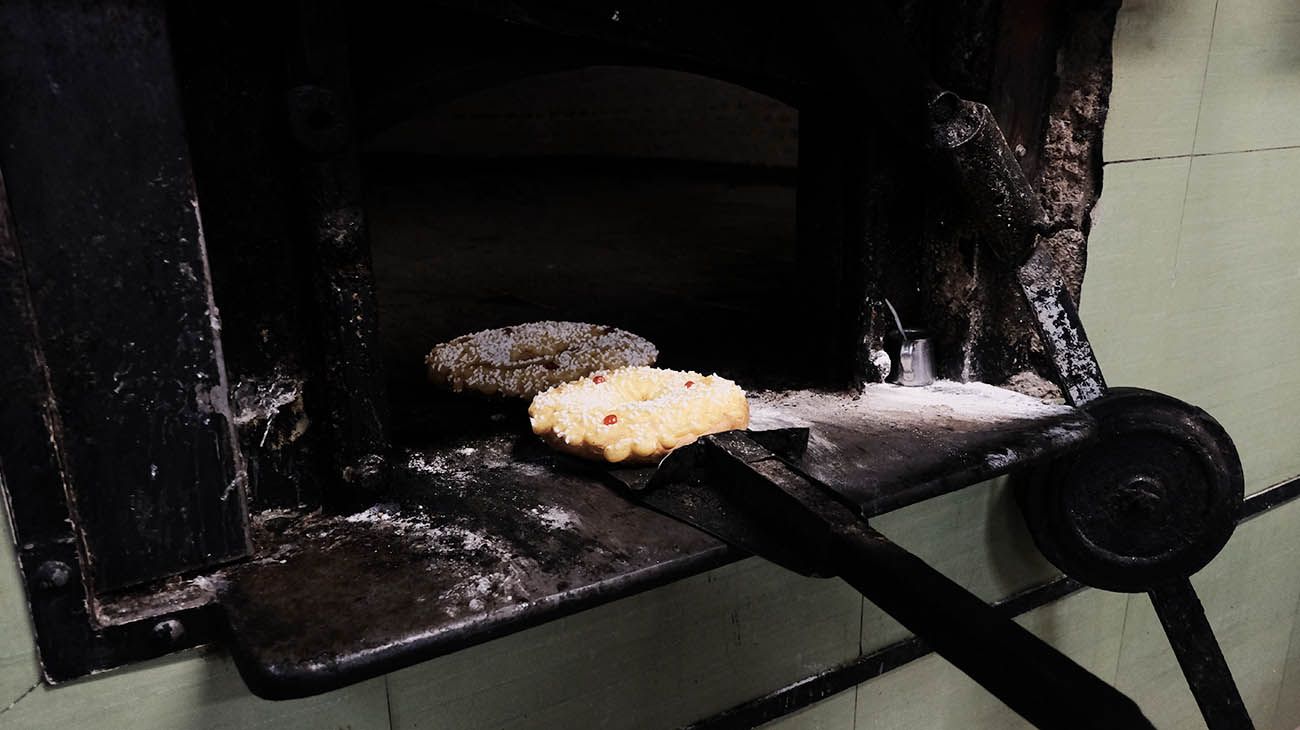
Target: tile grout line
<point x="1196" y="129"/>
<point x="1205" y="75"/>
<point x="1123" y="627"/>
<point x="862" y="633"/>
<point x="1195" y="155"/>
<point x="20" y="697"/>
<point x="388" y="702"/>
<point x="1182" y="216"/>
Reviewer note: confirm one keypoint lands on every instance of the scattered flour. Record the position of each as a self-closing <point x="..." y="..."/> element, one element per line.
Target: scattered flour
<point x="255" y="400"/>
<point x="438" y="464"/>
<point x="971" y="402"/>
<point x="461" y="465"/>
<point x="499" y="574"/>
<point x="554" y="518"/>
<point x="451" y="538"/>
<point x="881" y="360"/>
<point x="1001" y="459"/>
<point x="389" y="516"/>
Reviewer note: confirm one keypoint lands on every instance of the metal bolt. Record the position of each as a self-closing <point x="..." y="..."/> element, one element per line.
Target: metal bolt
<point x="168" y="632"/>
<point x="1141" y="495"/>
<point x="52" y="574"/>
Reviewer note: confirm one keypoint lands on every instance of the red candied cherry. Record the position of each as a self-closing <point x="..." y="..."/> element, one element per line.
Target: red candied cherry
<point x="610" y="420"/>
<point x="689" y="383"/>
<point x="598" y="379"/>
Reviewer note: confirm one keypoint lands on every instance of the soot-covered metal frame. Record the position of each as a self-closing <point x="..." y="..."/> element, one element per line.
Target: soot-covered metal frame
<point x="128" y="468"/>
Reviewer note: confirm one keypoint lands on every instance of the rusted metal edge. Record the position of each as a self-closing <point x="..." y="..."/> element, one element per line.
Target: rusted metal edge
<point x="293" y="681"/>
<point x="320" y="116"/>
<point x="1057" y="319"/>
<point x="71" y="642"/>
<point x="130" y="355"/>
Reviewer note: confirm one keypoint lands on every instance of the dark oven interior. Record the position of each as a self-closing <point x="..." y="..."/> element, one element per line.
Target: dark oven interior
<point x="657" y="201"/>
<point x="495" y="173"/>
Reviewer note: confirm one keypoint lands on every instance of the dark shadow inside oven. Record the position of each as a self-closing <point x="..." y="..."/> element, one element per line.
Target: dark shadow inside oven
<point x="653" y="200"/>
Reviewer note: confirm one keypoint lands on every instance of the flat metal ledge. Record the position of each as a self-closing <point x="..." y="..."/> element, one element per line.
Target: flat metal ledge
<point x="489" y="535"/>
<point x="459" y="560"/>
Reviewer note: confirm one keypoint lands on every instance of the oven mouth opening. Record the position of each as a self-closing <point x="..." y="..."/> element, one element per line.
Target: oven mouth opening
<point x="655" y="201"/>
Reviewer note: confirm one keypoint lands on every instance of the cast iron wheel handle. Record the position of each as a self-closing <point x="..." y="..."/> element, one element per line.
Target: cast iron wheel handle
<point x="1146" y="505"/>
<point x="1030" y="676"/>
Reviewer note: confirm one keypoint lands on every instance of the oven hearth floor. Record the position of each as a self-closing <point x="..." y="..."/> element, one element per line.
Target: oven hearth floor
<point x="489" y="534"/>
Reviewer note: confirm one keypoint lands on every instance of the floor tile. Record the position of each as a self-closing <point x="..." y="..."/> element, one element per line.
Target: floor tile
<point x="1131" y="254"/>
<point x="1234" y="303"/>
<point x="1160" y="50"/>
<point x="192" y="691"/>
<point x="1286" y="714"/>
<point x="18" y="670"/>
<point x="975" y="536"/>
<point x="930" y="693"/>
<point x="1250" y="593"/>
<point x="1252" y="84"/>
<point x="1196" y="299"/>
<point x="659" y="659"/>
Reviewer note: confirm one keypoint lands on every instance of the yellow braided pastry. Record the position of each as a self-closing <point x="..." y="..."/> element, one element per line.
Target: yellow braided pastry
<point x="636" y="414"/>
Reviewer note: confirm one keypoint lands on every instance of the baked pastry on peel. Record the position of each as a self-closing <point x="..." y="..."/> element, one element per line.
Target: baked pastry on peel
<point x="636" y="414"/>
<point x="525" y="359"/>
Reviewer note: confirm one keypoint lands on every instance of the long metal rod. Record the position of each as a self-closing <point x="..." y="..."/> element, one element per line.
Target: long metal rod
<point x="968" y="135"/>
<point x="320" y="121"/>
<point x="1059" y="328"/>
<point x="1041" y="684"/>
<point x="1199" y="655"/>
<point x="830" y="682"/>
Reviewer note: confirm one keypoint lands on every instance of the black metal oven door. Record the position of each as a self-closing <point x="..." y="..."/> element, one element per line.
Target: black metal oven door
<point x="119" y="458"/>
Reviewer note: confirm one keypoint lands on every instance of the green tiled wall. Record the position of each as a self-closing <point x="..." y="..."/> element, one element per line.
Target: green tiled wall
<point x="1193" y="288"/>
<point x="1194" y="261"/>
<point x="658" y="659"/>
<point x="1250" y="594"/>
<point x="1161" y="49"/>
<point x="930" y="693"/>
<point x="18" y="671"/>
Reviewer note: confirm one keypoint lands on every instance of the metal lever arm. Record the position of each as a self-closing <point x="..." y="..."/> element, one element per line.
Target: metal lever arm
<point x="967" y="134"/>
<point x="1040" y="683"/>
<point x="1198" y="653"/>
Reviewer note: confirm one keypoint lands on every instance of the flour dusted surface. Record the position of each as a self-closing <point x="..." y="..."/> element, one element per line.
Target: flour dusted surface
<point x="968" y="402"/>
